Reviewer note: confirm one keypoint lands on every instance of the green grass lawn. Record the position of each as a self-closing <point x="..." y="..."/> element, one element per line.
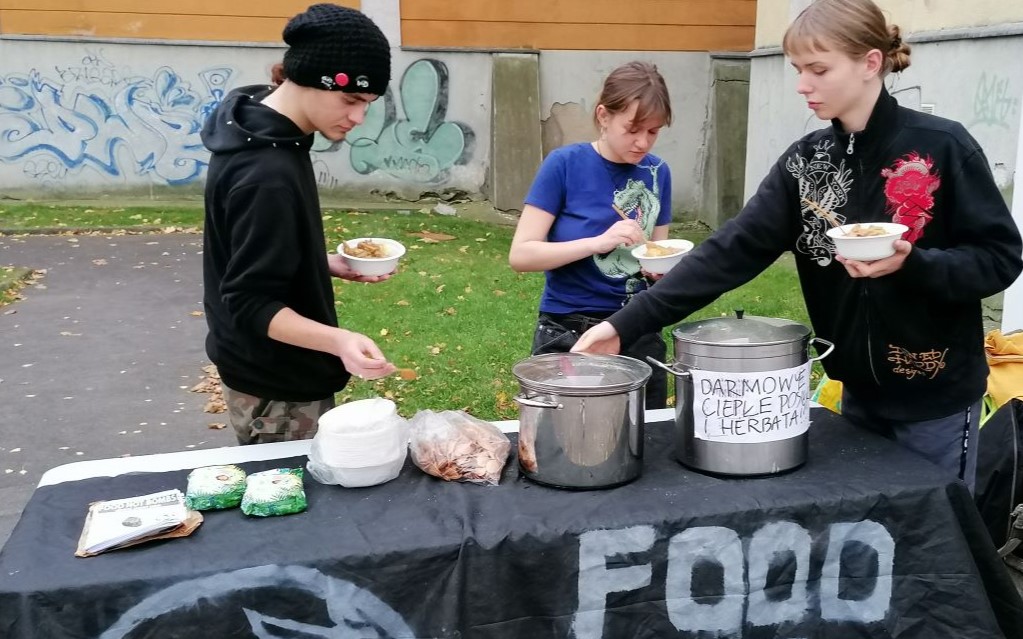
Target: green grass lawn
<point x="24" y="217"/>
<point x="458" y="315"/>
<point x="455" y="312"/>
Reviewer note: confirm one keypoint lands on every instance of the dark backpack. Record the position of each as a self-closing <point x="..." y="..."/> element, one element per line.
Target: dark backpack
<point x="999" y="491"/>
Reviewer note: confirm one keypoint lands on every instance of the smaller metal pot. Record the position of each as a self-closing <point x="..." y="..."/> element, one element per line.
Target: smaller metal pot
<point x="581" y="419"/>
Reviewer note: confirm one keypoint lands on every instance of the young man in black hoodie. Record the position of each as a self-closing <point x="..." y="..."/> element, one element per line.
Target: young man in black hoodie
<point x="273" y="330"/>
<point x="908" y="328"/>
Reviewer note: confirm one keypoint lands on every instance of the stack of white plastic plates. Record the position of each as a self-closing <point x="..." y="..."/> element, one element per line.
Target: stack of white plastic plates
<point x="361" y="443"/>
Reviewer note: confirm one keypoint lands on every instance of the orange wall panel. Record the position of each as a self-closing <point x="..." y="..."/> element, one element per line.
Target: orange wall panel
<point x="227" y="20"/>
<point x="645" y="25"/>
<point x="577" y="36"/>
<point x="679" y="12"/>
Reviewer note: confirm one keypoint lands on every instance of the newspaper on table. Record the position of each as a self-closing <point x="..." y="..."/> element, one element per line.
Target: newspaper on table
<point x="124" y="522"/>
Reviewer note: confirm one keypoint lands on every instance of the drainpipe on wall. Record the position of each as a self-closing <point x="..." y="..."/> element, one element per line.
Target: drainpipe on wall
<point x="1012" y="309"/>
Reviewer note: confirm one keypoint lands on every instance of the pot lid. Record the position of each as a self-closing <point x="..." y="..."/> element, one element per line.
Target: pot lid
<point x="745" y="331"/>
<point x="581" y="374"/>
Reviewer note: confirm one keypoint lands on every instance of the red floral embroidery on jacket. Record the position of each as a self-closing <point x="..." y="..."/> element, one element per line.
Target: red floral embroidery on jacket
<point x="909" y="189"/>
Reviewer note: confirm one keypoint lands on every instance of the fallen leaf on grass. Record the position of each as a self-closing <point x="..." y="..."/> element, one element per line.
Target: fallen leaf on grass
<point x="503" y="402"/>
<point x="430" y="236"/>
<point x="401" y="303"/>
<point x="407" y="374"/>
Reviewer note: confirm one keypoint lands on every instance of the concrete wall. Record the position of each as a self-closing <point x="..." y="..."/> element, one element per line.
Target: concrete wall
<point x="570" y="82"/>
<point x="103" y="116"/>
<point x="79" y="118"/>
<point x="975" y="80"/>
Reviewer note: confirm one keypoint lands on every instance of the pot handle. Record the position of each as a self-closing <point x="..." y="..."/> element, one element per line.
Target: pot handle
<point x="536" y="403"/>
<point x="816" y="342"/>
<point x="667" y="368"/>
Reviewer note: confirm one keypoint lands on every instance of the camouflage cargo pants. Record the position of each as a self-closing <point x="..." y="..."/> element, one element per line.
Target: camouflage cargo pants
<point x="261" y="421"/>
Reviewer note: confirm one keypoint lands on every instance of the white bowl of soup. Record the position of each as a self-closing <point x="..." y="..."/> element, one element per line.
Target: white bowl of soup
<point x="866" y="242"/>
<point x="371" y="255"/>
<point x="658" y="257"/>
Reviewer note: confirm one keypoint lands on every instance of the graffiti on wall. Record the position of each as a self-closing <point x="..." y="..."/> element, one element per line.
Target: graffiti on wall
<point x="93" y="116"/>
<point x="423" y="145"/>
<point x="995" y="102"/>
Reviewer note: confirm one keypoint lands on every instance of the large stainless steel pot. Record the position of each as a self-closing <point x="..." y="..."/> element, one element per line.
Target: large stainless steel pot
<point x="581" y="419"/>
<point x="748" y="412"/>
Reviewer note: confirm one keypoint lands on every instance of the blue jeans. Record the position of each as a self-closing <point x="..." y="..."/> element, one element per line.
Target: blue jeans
<point x="558" y="334"/>
<point x="950" y="442"/>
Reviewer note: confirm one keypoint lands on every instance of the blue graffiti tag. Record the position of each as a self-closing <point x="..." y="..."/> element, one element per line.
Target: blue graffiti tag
<point x="424" y="146"/>
<point x="135" y="126"/>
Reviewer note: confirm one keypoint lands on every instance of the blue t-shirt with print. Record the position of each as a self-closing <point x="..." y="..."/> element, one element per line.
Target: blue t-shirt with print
<point x="577" y="186"/>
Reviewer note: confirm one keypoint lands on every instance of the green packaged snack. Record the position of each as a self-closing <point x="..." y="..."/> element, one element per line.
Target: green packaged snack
<point x="274" y="492"/>
<point x="215" y="487"/>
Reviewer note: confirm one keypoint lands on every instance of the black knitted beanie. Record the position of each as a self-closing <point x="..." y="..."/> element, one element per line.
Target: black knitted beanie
<point x="337" y="49"/>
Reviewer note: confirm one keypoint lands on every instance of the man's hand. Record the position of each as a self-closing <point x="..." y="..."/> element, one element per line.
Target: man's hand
<point x="361" y="356"/>
<point x="878" y="268"/>
<point x="340" y="268"/>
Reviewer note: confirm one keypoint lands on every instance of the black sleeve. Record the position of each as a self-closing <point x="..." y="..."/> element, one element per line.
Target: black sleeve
<point x="732" y="256"/>
<point x="985" y="257"/>
<point x="265" y="254"/>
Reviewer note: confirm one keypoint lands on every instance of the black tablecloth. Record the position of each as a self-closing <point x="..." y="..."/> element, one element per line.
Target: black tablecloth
<point x="865" y="540"/>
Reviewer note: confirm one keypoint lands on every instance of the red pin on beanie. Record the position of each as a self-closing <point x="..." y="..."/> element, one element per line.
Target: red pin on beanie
<point x="328" y="37"/>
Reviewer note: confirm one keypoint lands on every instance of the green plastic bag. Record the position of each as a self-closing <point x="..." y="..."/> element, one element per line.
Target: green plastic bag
<point x="215" y="487"/>
<point x="274" y="492"/>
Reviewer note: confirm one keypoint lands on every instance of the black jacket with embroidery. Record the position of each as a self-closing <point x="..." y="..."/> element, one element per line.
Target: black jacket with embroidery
<point x="909" y="344"/>
<point x="264" y="250"/>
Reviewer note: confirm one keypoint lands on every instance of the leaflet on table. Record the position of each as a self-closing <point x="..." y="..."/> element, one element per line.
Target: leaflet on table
<point x="113" y="523"/>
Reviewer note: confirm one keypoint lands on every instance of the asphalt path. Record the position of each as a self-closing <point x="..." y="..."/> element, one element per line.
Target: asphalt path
<point x="97" y="360"/>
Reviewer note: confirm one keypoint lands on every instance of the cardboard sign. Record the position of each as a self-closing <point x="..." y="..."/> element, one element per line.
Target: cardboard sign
<point x="748" y="408"/>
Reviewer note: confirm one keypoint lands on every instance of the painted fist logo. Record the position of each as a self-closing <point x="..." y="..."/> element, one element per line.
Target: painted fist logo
<point x="205" y="607"/>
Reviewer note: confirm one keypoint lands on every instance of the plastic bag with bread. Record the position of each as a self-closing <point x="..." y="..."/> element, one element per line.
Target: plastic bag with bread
<point x="456" y="446"/>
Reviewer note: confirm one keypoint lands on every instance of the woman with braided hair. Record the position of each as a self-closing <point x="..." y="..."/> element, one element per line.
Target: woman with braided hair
<point x="907" y="329"/>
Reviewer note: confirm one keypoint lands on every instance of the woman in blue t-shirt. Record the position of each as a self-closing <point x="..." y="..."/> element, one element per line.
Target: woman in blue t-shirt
<point x="569" y="227"/>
